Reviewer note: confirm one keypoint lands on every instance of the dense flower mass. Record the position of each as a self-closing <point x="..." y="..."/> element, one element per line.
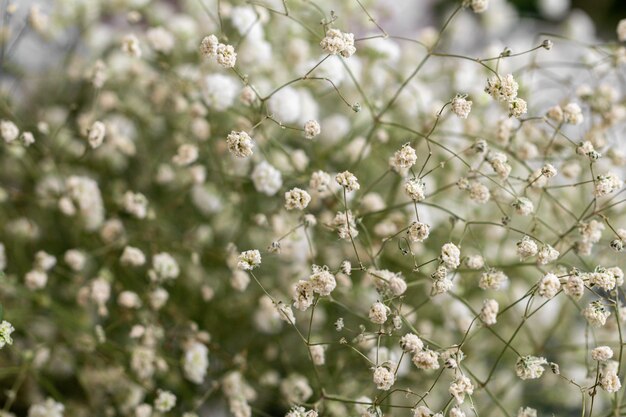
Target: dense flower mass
<point x="311" y="208"/>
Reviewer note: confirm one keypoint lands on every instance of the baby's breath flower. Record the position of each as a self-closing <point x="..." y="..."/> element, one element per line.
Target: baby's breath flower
<point x="418" y="232"/>
<point x="549" y="286"/>
<point x="345" y="225"/>
<point x="517" y="107"/>
<point x="266" y="178"/>
<point x="8" y="130"/>
<point x="130" y="46"/>
<point x="297" y="198"/>
<point x="226" y="55"/>
<point x="414" y="188"/>
<point x="602" y="353"/>
<point x="530" y="367"/>
<point x="208" y="46"/>
<point x="477" y="6"/>
<point x="196" y="362"/>
<point x="186" y="154"/>
<point x="132" y="256"/>
<point x="135" y="204"/>
<point x="378" y="313"/>
<point x="311" y="129"/>
<point x="348" y="181"/>
<point x="165" y="401"/>
<point x="572" y="114"/>
<point x="240" y="144"/>
<point x="322" y="281"/>
<point x="403" y="158"/>
<point x="248" y="260"/>
<point x="461" y="106"/>
<point x="474" y="262"/>
<point x="493" y="279"/>
<point x="526" y="412"/>
<point x="502" y="88"/>
<point x="607" y="184"/>
<point x="526" y="248"/>
<point x="523" y="206"/>
<point x="426" y="359"/>
<point x="547" y="254"/>
<point x="461" y="387"/>
<point x="574" y="287"/>
<point x="6" y="329"/>
<point x="596" y="313"/>
<point x="489" y="312"/>
<point x="450" y="255"/>
<point x="411" y="343"/>
<point x="47" y="408"/>
<point x="337" y="42"/>
<point x="555" y="114"/>
<point x="384" y="378"/>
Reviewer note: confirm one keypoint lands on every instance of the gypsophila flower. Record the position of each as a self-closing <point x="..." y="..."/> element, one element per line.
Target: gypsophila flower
<point x="456" y="412"/>
<point x="414" y="188"/>
<point x="96" y="134"/>
<point x="555" y="113"/>
<point x="295" y="389"/>
<point x="603" y="279"/>
<point x="411" y="343"/>
<point x="418" y="232"/>
<point x="36" y="279"/>
<point x="297" y="198"/>
<point x="450" y="255"/>
<point x="160" y="39"/>
<point x="226" y="55"/>
<point x="461" y="387"/>
<point x="384" y="378"/>
<point x="164" y="267"/>
<point x="48" y="408"/>
<point x="311" y="129"/>
<point x="318" y="355"/>
<point x="6" y="329"/>
<point x="303" y="295"/>
<point x="489" y="312"/>
<point x="337" y="42"/>
<point x="186" y="154"/>
<point x="135" y="204"/>
<point x="477" y="6"/>
<point x="27" y="138"/>
<point x="474" y="262"/>
<point x="602" y="353"/>
<point x="609" y="381"/>
<point x="547" y="254"/>
<point x="322" y="281"/>
<point x="345" y="225"/>
<point x="607" y="184"/>
<point x="240" y="144"/>
<point x="517" y="107"/>
<point x="426" y="359"/>
<point x="493" y="279"/>
<point x="596" y="314"/>
<point x="526" y="248"/>
<point x="502" y="88"/>
<point x="422" y="411"/>
<point x="378" y="313"/>
<point x="479" y="192"/>
<point x="461" y="107"/>
<point x="572" y="114"/>
<point x="9" y="131"/>
<point x="574" y="287"/>
<point x="132" y="256"/>
<point x="266" y="178"/>
<point x="498" y="162"/>
<point x="208" y="46"/>
<point x="403" y="158"/>
<point x="549" y="286"/>
<point x="130" y="45"/>
<point x="196" y="362"/>
<point x="320" y="182"/>
<point x="530" y="367"/>
<point x="523" y="206"/>
<point x="348" y="181"/>
<point x="248" y="260"/>
<point x="165" y="401"/>
<point x="526" y="412"/>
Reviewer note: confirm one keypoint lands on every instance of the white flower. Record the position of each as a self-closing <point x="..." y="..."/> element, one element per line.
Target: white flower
<point x="383" y="378"/>
<point x="602" y="353"/>
<point x="414" y="188"/>
<point x="489" y="312"/>
<point x="165" y="401"/>
<point x="378" y="313"/>
<point x="320" y="182"/>
<point x="36" y="279"/>
<point x="266" y="178"/>
<point x="547" y="254"/>
<point x="530" y="367"/>
<point x="208" y="46"/>
<point x="555" y="113"/>
<point x="523" y="206"/>
<point x="572" y="114"/>
<point x="311" y="129"/>
<point x="318" y="355"/>
<point x="621" y="30"/>
<point x="186" y="154"/>
<point x="517" y="107"/>
<point x="337" y="42"/>
<point x="609" y="381"/>
<point x="345" y="225"/>
<point x="96" y="134"/>
<point x="303" y="295"/>
<point x="479" y="192"/>
<point x="248" y="260"/>
<point x="220" y="91"/>
<point x="297" y="198"/>
<point x="347" y="180"/>
<point x="477" y="6"/>
<point x="426" y="359"/>
<point x="48" y="408"/>
<point x="461" y="107"/>
<point x="607" y="184"/>
<point x="130" y="45"/>
<point x="6" y="329"/>
<point x="132" y="256"/>
<point x="502" y="88"/>
<point x="226" y="55"/>
<point x="295" y="389"/>
<point x="461" y="387"/>
<point x="160" y="39"/>
<point x="8" y="130"/>
<point x="164" y="267"/>
<point x="196" y="362"/>
<point x="135" y="204"/>
<point x="240" y="144"/>
<point x="411" y="343"/>
<point x="526" y="412"/>
<point x="450" y="255"/>
<point x="322" y="281"/>
<point x="492" y="280"/>
<point x="474" y="262"/>
<point x="403" y="158"/>
<point x="549" y="286"/>
<point x="596" y="314"/>
<point x="574" y="287"/>
<point x="526" y="248"/>
<point x="418" y="232"/>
